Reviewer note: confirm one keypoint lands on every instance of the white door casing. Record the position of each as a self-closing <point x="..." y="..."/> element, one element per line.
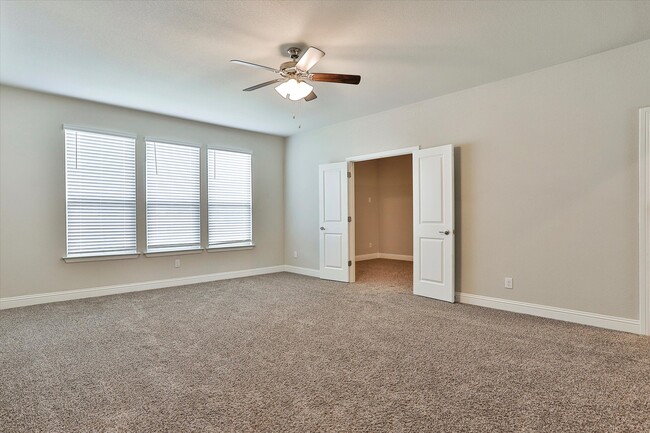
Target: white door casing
<point x="333" y="221"/>
<point x="433" y="223"/>
<point x="351" y="228"/>
<point x="644" y="221"/>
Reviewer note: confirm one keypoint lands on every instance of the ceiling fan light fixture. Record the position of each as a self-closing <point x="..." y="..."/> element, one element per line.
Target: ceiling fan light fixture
<point x="294" y="90"/>
<point x="293" y="73"/>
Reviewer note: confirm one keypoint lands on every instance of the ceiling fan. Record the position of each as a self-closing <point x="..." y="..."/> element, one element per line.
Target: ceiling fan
<point x="293" y="75"/>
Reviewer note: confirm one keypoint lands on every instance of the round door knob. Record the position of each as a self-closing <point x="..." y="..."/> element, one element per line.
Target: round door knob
<point x="446" y="232"/>
<point x="322" y="228"/>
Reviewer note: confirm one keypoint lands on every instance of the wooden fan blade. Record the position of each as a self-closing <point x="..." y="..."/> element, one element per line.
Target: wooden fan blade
<point x="259" y="86"/>
<point x="311" y="96"/>
<point x="309" y="59"/>
<point x="336" y="78"/>
<point x="255" y="65"/>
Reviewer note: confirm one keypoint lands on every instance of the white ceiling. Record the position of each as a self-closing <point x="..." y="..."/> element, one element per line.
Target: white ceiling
<point x="172" y="57"/>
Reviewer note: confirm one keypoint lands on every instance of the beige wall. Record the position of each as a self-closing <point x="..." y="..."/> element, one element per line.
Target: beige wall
<point x="396" y="205"/>
<point x="384" y="206"/>
<point x="366" y="213"/>
<point x="32" y="195"/>
<point x="546" y="179"/>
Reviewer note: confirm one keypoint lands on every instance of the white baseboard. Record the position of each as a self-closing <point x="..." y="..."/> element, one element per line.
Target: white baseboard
<point x="302" y="271"/>
<point x="362" y="257"/>
<point x="44" y="298"/>
<point x="396" y="257"/>
<point x="389" y="256"/>
<point x="581" y="317"/>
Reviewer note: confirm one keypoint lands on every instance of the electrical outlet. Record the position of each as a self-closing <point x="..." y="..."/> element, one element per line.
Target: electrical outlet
<point x="295" y="254"/>
<point x="369" y="244"/>
<point x="508" y="283"/>
<point x="177" y="263"/>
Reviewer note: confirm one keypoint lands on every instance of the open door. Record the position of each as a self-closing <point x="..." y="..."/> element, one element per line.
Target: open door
<point x="333" y="220"/>
<point x="433" y="223"/>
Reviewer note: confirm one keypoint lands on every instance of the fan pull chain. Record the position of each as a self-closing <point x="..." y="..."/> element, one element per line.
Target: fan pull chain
<point x="297" y="116"/>
<point x="155" y="156"/>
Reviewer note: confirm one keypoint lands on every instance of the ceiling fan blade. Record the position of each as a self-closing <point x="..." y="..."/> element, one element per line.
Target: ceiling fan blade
<point x="311" y="96"/>
<point x="309" y="59"/>
<point x="255" y="65"/>
<point x="336" y="78"/>
<point x="259" y="86"/>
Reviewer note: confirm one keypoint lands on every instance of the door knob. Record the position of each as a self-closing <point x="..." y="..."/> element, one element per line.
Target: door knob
<point x="322" y="228"/>
<point x="446" y="232"/>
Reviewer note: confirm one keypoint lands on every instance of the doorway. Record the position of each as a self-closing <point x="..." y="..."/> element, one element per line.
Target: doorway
<point x="433" y="219"/>
<point x="383" y="223"/>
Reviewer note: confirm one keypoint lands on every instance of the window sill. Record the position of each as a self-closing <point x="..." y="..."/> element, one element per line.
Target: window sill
<point x="230" y="248"/>
<point x="162" y="253"/>
<point x="100" y="257"/>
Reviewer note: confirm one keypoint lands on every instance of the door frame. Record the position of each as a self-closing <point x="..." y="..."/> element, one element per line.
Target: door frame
<point x="351" y="199"/>
<point x="644" y="221"/>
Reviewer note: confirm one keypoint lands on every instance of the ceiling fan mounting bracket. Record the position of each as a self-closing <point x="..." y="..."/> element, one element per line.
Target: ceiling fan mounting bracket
<point x="294" y="53"/>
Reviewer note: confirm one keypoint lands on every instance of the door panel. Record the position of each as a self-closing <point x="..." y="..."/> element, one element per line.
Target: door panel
<point x="433" y="223"/>
<point x="432" y="252"/>
<point x="333" y="221"/>
<point x="333" y="248"/>
<point x="431" y="172"/>
<point x="332" y="205"/>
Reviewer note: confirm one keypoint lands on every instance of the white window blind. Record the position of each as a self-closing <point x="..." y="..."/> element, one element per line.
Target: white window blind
<point x="100" y="193"/>
<point x="230" y="206"/>
<point x="173" y="197"/>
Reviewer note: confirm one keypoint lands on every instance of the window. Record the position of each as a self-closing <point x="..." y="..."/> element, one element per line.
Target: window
<point x="173" y="197"/>
<point x="100" y="193"/>
<point x="230" y="208"/>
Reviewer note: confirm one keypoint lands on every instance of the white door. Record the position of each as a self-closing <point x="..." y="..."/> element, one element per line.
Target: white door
<point x="433" y="223"/>
<point x="333" y="221"/>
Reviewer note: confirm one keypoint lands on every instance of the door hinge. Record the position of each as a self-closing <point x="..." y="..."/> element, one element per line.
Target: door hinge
<point x="349" y="219"/>
<point x="349" y="262"/>
<point x="349" y="175"/>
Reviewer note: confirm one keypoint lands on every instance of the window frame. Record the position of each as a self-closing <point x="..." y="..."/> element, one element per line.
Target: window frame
<point x="141" y="192"/>
<point x="231" y="246"/>
<point x="179" y="250"/>
<point x="99" y="256"/>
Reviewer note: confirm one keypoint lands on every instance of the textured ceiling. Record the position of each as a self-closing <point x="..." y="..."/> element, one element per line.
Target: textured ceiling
<point x="172" y="57"/>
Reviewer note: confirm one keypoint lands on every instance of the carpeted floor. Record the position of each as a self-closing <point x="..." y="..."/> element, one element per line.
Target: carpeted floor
<point x="382" y="274"/>
<point x="285" y="352"/>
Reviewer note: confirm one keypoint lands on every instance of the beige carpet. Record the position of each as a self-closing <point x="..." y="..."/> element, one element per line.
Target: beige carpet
<point x="285" y="352"/>
<point x="381" y="274"/>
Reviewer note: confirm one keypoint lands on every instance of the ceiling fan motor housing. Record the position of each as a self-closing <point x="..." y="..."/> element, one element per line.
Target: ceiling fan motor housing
<point x="288" y="65"/>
